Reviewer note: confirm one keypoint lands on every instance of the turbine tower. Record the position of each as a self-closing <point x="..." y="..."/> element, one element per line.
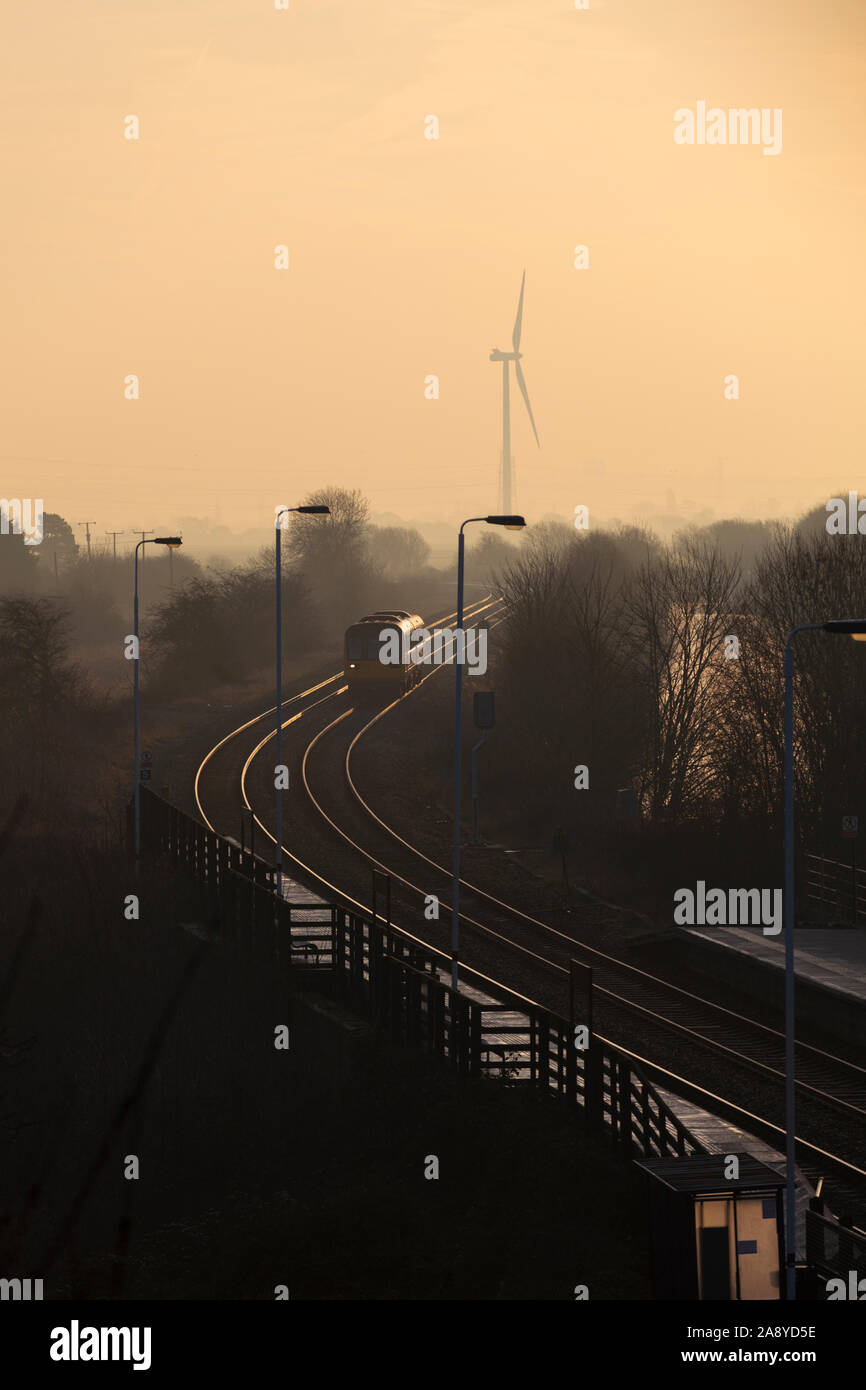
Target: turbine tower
<point x="506" y="470"/>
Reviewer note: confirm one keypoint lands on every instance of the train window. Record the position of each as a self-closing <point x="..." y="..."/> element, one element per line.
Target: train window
<point x="365" y="647"/>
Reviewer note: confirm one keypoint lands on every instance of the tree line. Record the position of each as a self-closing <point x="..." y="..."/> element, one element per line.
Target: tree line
<point x="660" y="669"/>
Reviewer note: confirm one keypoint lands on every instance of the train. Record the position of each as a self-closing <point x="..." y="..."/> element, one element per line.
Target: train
<point x="365" y="671"/>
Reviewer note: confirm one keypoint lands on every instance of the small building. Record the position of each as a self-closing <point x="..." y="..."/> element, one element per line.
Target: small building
<point x="713" y="1237"/>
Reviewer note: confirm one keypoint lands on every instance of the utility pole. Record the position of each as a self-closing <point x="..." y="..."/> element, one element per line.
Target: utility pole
<point x="114" y="535"/>
<point x="87" y="525"/>
<point x="142" y="534"/>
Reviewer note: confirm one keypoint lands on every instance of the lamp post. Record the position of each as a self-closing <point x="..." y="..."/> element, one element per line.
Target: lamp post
<point x="856" y="628"/>
<point x="278" y="555"/>
<point x="173" y="542"/>
<point x="513" y="523"/>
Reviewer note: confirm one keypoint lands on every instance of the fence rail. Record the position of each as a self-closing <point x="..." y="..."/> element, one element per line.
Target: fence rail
<point x="403" y="986"/>
<point x="839" y="888"/>
<point x="834" y="1249"/>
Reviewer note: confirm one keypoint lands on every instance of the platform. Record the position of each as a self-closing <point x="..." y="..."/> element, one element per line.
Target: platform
<point x="832" y="958"/>
<point x="721" y="1137"/>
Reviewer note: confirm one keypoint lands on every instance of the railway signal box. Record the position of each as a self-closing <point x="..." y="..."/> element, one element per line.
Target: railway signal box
<point x="712" y="1237"/>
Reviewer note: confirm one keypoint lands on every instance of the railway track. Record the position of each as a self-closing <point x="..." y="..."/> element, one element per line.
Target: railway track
<point x="831" y="1088"/>
<point x="822" y="1074"/>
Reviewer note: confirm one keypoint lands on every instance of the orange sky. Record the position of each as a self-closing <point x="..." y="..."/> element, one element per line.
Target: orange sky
<point x="306" y="127"/>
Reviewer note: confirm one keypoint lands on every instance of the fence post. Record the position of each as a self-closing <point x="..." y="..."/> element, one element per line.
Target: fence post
<point x="438" y="1017"/>
<point x="338" y="948"/>
<point x="456" y="1031"/>
<point x="571" y="1062"/>
<point x="474" y="1039"/>
<point x="625" y="1088"/>
<point x="614" y="1099"/>
<point x="647" y="1119"/>
<point x="375" y="964"/>
<point x="543" y="1052"/>
<point x="593" y="1084"/>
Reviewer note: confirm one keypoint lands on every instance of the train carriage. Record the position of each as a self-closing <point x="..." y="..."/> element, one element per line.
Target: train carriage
<point x="366" y="643"/>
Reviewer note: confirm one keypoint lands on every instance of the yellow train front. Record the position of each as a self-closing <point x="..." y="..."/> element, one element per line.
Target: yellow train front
<point x="369" y="640"/>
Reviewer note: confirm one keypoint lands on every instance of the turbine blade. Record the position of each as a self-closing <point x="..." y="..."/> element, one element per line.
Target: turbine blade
<point x="523" y="391"/>
<point x="518" y="322"/>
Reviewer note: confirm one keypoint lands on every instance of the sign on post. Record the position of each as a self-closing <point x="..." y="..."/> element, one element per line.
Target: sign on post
<point x="483" y="709"/>
<point x="850" y="827"/>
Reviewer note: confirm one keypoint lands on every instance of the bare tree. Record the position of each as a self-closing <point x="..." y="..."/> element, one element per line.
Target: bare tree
<point x="809" y="577"/>
<point x="341" y="535"/>
<point x="332" y="555"/>
<point x="678" y="610"/>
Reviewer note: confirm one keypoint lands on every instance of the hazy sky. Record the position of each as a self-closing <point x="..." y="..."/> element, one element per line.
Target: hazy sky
<point x="261" y="127"/>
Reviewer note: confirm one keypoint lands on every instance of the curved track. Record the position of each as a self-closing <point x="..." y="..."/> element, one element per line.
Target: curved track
<point x="834" y="1084"/>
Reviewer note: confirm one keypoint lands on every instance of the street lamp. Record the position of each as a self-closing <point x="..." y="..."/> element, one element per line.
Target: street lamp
<point x="856" y="628"/>
<point x="511" y="523"/>
<point x="172" y="542"/>
<point x="280" y="512"/>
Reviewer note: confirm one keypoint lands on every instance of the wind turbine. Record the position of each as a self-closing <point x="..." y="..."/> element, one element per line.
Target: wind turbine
<point x="506" y="357"/>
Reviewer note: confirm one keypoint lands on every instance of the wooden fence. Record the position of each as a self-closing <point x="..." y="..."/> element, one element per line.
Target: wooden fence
<point x="403" y="986"/>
